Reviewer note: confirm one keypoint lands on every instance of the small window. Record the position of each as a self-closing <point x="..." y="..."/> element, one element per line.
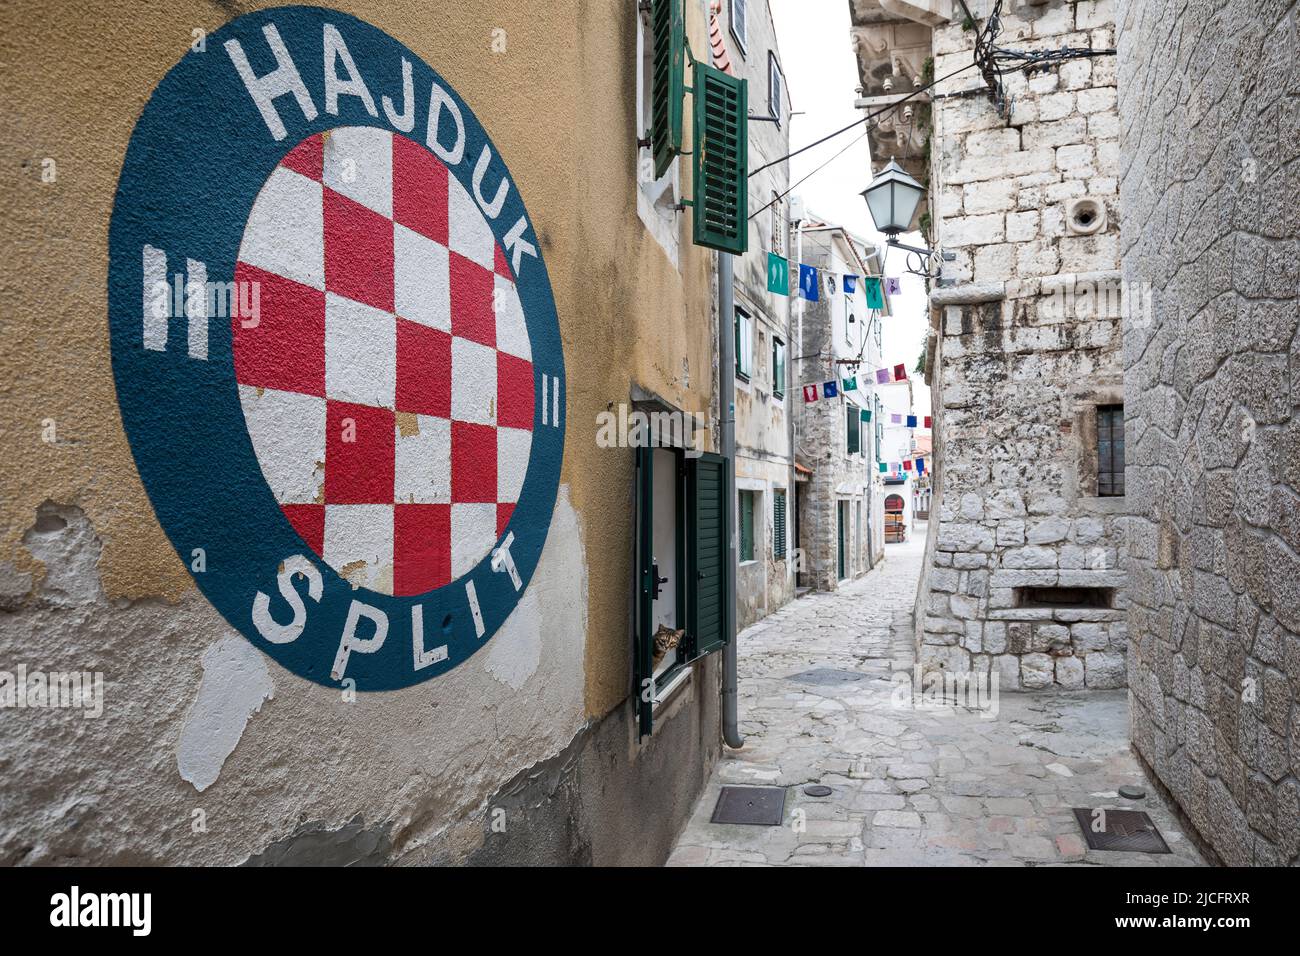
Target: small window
<point x="746" y="526"/>
<point x="777" y="208"/>
<point x="1110" y="450"/>
<point x="739" y="23"/>
<point x="778" y="367"/>
<point x="853" y="421"/>
<point x="774" y="87"/>
<point x="744" y="344"/>
<point x="778" y="523"/>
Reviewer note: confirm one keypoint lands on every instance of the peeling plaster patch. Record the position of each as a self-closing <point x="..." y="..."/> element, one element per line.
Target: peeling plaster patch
<point x="315" y="844"/>
<point x="63" y="540"/>
<point x="555" y="604"/>
<point x="235" y="682"/>
<point x="516" y="650"/>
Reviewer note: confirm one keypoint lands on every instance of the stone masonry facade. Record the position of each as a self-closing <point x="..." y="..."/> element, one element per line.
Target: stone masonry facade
<point x="1025" y="575"/>
<point x="1211" y="185"/>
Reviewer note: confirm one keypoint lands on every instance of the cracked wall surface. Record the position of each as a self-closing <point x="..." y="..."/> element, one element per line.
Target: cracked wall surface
<point x="1211" y="156"/>
<point x="206" y="750"/>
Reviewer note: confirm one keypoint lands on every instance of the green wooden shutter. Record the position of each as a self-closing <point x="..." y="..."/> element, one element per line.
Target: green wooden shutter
<point x="708" y="560"/>
<point x="778" y="524"/>
<point x="643" y="650"/>
<point x="721" y="167"/>
<point x="853" y="423"/>
<point x="668" y="81"/>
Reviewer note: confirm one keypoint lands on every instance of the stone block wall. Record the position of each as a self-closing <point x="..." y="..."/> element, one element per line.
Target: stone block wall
<point x="1027" y="346"/>
<point x="1211" y="187"/>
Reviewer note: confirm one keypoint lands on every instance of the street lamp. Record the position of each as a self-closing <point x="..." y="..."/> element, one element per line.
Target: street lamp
<point x="892" y="199"/>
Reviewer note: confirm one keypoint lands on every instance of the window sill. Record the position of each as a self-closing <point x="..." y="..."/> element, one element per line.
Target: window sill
<point x="675" y="679"/>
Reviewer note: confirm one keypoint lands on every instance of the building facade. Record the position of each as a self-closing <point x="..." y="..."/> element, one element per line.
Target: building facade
<point x="840" y="502"/>
<point x="764" y="426"/>
<point x="254" y="705"/>
<point x="1213" y="378"/>
<point x="1024" y="575"/>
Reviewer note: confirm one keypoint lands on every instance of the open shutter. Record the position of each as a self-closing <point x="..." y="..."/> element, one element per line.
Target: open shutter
<point x="643" y="650"/>
<point x="668" y="81"/>
<point x="778" y="524"/>
<point x="708" y="561"/>
<point x="721" y="167"/>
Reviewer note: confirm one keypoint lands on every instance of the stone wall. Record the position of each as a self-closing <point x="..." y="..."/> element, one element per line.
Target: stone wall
<point x="1211" y="152"/>
<point x="1027" y="348"/>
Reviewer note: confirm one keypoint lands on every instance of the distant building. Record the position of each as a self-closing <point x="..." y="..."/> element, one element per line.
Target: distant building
<point x="840" y="499"/>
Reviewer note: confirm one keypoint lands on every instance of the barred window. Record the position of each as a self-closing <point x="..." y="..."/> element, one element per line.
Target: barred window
<point x="1110" y="450"/>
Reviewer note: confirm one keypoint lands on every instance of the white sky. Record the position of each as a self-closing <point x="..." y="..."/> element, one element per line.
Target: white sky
<point x="822" y="78"/>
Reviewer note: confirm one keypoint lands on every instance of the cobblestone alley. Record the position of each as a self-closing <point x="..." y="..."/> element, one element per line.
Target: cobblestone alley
<point x="821" y="703"/>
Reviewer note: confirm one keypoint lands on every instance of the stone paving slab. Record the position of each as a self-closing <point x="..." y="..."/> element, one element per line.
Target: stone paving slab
<point x="912" y="784"/>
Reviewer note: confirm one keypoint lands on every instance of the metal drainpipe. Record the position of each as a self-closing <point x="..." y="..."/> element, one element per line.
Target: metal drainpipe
<point x="727" y="419"/>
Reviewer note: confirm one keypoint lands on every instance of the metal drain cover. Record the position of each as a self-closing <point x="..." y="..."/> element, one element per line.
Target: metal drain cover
<point x="817" y="790"/>
<point x="827" y="676"/>
<point x="1127" y="830"/>
<point x="760" y="806"/>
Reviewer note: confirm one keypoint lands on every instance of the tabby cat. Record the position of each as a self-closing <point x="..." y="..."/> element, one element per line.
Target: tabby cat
<point x="665" y="640"/>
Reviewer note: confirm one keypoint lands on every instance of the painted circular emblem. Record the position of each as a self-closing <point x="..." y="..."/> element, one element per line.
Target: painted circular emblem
<point x="336" y="349"/>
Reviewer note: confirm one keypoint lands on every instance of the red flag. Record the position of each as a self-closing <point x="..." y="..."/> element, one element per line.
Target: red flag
<point x="810" y="393"/>
<point x="900" y="373"/>
<point x="927" y="421"/>
<point x="907" y="466"/>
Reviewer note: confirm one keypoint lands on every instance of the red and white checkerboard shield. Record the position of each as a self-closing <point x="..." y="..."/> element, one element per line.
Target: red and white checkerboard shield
<point x="388" y="383"/>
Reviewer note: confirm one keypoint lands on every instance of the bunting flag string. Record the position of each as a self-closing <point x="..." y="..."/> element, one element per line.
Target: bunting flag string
<point x="813" y="281"/>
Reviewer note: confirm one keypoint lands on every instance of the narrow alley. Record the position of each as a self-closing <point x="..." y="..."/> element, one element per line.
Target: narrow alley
<point x="823" y="700"/>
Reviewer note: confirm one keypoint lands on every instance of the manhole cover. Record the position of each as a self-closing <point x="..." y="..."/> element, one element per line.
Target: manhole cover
<point x="761" y="806"/>
<point x="817" y="790"/>
<point x="1128" y="830"/>
<point x="827" y="675"/>
<point x="1130" y="792"/>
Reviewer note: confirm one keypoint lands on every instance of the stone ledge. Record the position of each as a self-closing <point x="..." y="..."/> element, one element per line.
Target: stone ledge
<point x="968" y="293"/>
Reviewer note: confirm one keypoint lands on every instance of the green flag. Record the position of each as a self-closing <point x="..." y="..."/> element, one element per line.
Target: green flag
<point x="778" y="274"/>
<point x="866" y="414"/>
<point x="875" y="298"/>
<point x="851" y="384"/>
<point x="883" y="468"/>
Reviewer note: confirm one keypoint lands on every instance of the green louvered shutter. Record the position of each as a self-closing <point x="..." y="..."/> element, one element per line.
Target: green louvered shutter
<point x="778" y="524"/>
<point x="668" y="83"/>
<point x="707" y="561"/>
<point x="720" y="148"/>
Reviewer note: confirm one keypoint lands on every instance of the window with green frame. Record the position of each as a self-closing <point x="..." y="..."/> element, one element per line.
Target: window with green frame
<point x="778" y="368"/>
<point x="744" y="344"/>
<point x="853" y="424"/>
<point x="746" y="525"/>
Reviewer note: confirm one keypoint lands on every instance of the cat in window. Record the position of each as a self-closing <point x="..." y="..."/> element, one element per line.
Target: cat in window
<point x="665" y="640"/>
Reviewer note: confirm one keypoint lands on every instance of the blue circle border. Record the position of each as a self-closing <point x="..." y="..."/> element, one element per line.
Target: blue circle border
<point x="197" y="158"/>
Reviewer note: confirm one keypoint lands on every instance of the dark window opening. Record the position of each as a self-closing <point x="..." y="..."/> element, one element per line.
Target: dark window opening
<point x="1110" y="450"/>
<point x="1064" y="597"/>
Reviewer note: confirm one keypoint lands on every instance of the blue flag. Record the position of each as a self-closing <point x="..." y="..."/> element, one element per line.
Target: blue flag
<point x="911" y="421"/>
<point x="830" y="389"/>
<point x="808" y="282"/>
<point x="850" y="284"/>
